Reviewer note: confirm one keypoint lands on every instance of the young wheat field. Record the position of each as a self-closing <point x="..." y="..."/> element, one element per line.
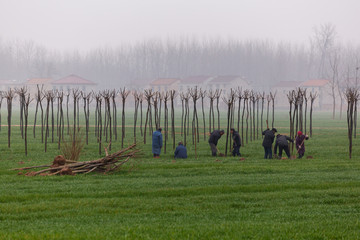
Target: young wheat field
<point x="201" y="197"/>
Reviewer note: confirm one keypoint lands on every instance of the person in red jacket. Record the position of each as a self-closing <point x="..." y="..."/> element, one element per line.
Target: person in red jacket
<point x="300" y="143"/>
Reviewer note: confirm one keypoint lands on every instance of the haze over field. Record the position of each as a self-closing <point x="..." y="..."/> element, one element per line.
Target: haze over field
<point x="116" y="41"/>
<point x="86" y="24"/>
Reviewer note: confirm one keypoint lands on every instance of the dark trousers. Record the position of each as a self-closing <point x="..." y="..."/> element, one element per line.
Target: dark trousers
<point x="236" y="151"/>
<point x="156" y="155"/>
<point x="268" y="152"/>
<point x="286" y="149"/>
<point x="213" y="149"/>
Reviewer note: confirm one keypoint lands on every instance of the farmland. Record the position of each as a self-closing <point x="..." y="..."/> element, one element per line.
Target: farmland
<point x="197" y="198"/>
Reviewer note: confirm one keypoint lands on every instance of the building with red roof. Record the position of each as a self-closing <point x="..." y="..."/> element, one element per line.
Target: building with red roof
<point x="323" y="88"/>
<point x="7" y="84"/>
<point x="44" y="83"/>
<point x="165" y="84"/>
<point x="225" y="83"/>
<point x="73" y="81"/>
<point x="194" y="81"/>
<point x="282" y="89"/>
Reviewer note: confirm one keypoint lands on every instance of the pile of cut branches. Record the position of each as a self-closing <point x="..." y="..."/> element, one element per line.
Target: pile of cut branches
<point x="61" y="166"/>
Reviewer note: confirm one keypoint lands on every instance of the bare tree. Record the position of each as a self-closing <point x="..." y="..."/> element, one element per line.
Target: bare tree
<point x="351" y="95"/>
<point x="324" y="41"/>
<point x="9" y="95"/>
<point x="26" y="116"/>
<point x="229" y="101"/>
<point x="203" y="95"/>
<point x="124" y="94"/>
<point x="312" y="99"/>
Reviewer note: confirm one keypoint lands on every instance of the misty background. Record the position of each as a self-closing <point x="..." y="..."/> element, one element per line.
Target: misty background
<point x="115" y="42"/>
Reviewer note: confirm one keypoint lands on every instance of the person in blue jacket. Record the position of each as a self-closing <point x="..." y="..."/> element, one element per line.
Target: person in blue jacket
<point x="180" y="151"/>
<point x="157" y="143"/>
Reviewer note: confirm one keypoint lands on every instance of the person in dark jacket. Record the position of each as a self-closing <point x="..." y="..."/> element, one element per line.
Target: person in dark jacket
<point x="269" y="136"/>
<point x="236" y="142"/>
<point x="180" y="151"/>
<point x="282" y="143"/>
<point x="157" y="143"/>
<point x="213" y="140"/>
<point x="300" y="143"/>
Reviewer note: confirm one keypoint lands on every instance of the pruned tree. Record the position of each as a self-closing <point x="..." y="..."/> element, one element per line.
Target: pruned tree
<point x="239" y="96"/>
<point x="272" y="96"/>
<point x="107" y="117"/>
<point x="245" y="105"/>
<point x="186" y="116"/>
<point x="21" y="92"/>
<point x="87" y="98"/>
<point x="229" y="101"/>
<point x="9" y="95"/>
<point x="48" y="96"/>
<point x="195" y="95"/>
<point x="98" y="116"/>
<point x="217" y="96"/>
<point x="166" y="97"/>
<point x="75" y="95"/>
<point x="148" y="118"/>
<point x="155" y="101"/>
<point x="312" y="96"/>
<point x="262" y="110"/>
<point x="60" y="121"/>
<point x="67" y="111"/>
<point x="352" y="95"/>
<point x="203" y="95"/>
<point x="124" y="94"/>
<point x="114" y="94"/>
<point x="26" y="116"/>
<point x="136" y="96"/>
<point x="211" y="95"/>
<point x="172" y="99"/>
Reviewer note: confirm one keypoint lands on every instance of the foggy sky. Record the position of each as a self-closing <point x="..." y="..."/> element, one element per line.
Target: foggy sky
<point x="86" y="24"/>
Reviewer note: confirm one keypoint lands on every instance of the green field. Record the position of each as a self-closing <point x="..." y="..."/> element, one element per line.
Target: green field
<point x="196" y="198"/>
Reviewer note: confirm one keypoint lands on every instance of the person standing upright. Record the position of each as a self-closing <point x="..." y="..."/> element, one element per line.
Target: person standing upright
<point x="157" y="143"/>
<point x="236" y="142"/>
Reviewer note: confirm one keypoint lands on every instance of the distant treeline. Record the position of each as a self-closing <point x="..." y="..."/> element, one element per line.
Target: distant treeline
<point x="261" y="62"/>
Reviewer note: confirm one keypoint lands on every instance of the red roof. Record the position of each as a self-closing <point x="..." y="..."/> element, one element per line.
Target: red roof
<point x="73" y="80"/>
<point x="139" y="82"/>
<point x="164" y="81"/>
<point x="315" y="83"/>
<point x="9" y="82"/>
<point x="224" y="79"/>
<point x="35" y="81"/>
<point x="195" y="79"/>
<point x="287" y="84"/>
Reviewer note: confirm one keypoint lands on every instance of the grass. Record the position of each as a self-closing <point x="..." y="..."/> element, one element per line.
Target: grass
<point x="195" y="198"/>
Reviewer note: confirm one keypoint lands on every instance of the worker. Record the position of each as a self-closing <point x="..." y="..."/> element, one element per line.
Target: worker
<point x="157" y="143"/>
<point x="236" y="142"/>
<point x="213" y="140"/>
<point x="269" y="136"/>
<point x="300" y="143"/>
<point x="282" y="143"/>
<point x="180" y="151"/>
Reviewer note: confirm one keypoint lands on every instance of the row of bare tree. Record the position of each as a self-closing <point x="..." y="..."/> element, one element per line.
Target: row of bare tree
<point x="52" y="108"/>
<point x="245" y="111"/>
